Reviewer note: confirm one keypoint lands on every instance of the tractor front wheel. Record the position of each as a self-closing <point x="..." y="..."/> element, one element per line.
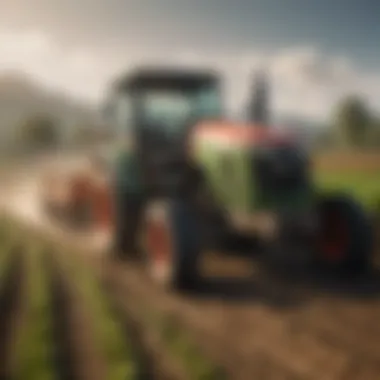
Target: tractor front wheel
<point x="345" y="240"/>
<point x="129" y="211"/>
<point x="171" y="242"/>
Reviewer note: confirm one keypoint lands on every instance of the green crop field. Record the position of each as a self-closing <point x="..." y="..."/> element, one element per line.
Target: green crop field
<point x="357" y="173"/>
<point x="363" y="186"/>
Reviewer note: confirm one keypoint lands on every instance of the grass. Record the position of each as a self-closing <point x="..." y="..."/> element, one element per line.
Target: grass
<point x="36" y="348"/>
<point x="109" y="333"/>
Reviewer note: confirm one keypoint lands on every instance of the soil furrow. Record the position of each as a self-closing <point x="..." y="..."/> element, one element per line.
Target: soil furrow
<point x="323" y="338"/>
<point x="154" y="361"/>
<point x="214" y="342"/>
<point x="78" y="357"/>
<point x="12" y="310"/>
<point x="248" y="334"/>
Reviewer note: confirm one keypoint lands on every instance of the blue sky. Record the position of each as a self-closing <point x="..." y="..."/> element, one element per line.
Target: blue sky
<point x="311" y="43"/>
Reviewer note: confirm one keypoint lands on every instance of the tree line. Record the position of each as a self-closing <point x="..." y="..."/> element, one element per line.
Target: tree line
<point x="352" y="125"/>
<point x="44" y="131"/>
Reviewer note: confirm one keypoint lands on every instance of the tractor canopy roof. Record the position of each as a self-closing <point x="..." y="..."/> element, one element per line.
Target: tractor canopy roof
<point x="166" y="79"/>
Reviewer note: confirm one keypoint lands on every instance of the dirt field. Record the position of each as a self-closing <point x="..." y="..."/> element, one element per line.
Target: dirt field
<point x="348" y="161"/>
<point x="275" y="331"/>
<point x="236" y="329"/>
<point x="126" y="327"/>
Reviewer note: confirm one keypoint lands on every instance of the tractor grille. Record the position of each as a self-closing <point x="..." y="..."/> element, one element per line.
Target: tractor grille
<point x="279" y="171"/>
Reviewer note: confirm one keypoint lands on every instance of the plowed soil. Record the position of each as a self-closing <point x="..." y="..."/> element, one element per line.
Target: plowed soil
<point x="70" y="347"/>
<point x="263" y="328"/>
<point x="271" y="328"/>
<point x="12" y="310"/>
<point x="321" y="337"/>
<point x="364" y="161"/>
<point x="77" y="356"/>
<point x="258" y="327"/>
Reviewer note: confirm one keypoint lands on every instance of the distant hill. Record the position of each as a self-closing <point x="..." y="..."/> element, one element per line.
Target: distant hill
<point x="21" y="97"/>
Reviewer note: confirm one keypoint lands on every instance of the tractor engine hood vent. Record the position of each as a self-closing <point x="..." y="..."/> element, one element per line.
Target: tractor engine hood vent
<point x="280" y="169"/>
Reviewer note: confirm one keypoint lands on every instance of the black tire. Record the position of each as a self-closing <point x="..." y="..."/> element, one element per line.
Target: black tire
<point x="236" y="243"/>
<point x="355" y="257"/>
<point x="179" y="260"/>
<point x="129" y="214"/>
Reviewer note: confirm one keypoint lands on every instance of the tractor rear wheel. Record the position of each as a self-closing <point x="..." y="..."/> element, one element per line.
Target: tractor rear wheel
<point x="345" y="239"/>
<point x="172" y="246"/>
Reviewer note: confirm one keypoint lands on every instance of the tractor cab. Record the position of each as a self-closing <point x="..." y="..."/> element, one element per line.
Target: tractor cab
<point x="156" y="109"/>
<point x="164" y="103"/>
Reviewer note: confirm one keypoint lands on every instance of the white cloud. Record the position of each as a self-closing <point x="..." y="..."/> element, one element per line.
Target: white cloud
<point x="304" y="80"/>
<point x="76" y="71"/>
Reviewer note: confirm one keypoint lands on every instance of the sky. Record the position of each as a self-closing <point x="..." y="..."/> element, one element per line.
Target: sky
<point x="316" y="51"/>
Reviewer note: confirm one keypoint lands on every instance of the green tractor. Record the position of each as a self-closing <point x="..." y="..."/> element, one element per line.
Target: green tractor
<point x="189" y="180"/>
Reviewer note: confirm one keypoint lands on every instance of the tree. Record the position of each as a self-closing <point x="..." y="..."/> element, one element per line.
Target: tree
<point x="88" y="133"/>
<point x="83" y="134"/>
<point x="39" y="131"/>
<point x="353" y="122"/>
<point x="374" y="135"/>
<point x="324" y="139"/>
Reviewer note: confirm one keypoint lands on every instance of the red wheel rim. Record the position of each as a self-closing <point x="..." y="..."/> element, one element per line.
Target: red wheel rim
<point x="102" y="206"/>
<point x="158" y="241"/>
<point x="335" y="237"/>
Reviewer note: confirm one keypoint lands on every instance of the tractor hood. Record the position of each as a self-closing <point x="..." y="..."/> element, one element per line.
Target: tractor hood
<point x="239" y="135"/>
<point x="252" y="167"/>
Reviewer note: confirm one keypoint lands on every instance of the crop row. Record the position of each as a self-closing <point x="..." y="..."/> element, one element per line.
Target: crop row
<point x="57" y="320"/>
